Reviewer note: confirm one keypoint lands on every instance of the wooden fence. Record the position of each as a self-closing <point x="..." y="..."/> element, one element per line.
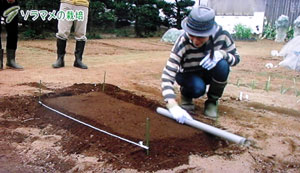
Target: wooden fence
<point x="272" y="8"/>
<point x="276" y="8"/>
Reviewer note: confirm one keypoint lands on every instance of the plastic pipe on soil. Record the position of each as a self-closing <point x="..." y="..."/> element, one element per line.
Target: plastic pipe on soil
<point x="209" y="129"/>
<point x="95" y="128"/>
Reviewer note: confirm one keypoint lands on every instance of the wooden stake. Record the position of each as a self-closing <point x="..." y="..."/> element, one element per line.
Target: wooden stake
<point x="147" y="134"/>
<point x="40" y="90"/>
<point x="103" y="85"/>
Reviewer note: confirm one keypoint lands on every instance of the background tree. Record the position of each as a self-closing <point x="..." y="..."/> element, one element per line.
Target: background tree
<point x="124" y="13"/>
<point x="147" y="18"/>
<point x="34" y="29"/>
<point x="101" y="15"/>
<point x="176" y="11"/>
<point x="144" y="14"/>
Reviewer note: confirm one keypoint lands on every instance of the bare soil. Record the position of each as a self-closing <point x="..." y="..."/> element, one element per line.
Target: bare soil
<point x="35" y="139"/>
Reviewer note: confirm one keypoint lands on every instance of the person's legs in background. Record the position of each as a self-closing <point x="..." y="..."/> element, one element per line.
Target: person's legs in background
<point x="11" y="39"/>
<point x="11" y="45"/>
<point x="64" y="29"/>
<point x="80" y="37"/>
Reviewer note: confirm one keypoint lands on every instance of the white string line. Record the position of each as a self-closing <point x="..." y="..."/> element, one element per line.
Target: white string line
<point x="95" y="128"/>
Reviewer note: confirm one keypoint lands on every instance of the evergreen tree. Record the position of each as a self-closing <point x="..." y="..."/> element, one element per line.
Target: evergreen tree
<point x="176" y="11"/>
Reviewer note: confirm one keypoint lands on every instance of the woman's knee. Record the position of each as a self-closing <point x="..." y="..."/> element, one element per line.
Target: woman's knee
<point x="200" y="91"/>
<point x="192" y="85"/>
<point x="222" y="65"/>
<point x="194" y="91"/>
<point x="221" y="71"/>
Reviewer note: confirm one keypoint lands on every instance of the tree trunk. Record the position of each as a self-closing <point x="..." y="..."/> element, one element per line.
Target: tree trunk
<point x="178" y="18"/>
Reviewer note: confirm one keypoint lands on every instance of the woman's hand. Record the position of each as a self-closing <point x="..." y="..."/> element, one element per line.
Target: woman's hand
<point x="209" y="63"/>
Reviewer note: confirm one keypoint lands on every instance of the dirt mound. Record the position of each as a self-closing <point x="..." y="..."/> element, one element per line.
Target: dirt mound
<point x="116" y="111"/>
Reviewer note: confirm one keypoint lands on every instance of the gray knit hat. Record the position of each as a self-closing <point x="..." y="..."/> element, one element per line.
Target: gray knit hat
<point x="200" y="22"/>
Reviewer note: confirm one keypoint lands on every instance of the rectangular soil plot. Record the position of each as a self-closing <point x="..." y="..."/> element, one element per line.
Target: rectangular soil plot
<point x="124" y="114"/>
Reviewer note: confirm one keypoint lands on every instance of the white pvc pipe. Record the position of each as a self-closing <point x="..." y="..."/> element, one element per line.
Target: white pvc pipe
<point x="207" y="128"/>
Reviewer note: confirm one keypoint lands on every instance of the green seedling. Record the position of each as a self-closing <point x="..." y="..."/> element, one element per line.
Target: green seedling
<point x="268" y="84"/>
<point x="253" y="84"/>
<point x="238" y="82"/>
<point x="297" y="92"/>
<point x="283" y="90"/>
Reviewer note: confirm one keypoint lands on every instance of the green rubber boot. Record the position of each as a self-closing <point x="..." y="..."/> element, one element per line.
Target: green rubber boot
<point x="215" y="91"/>
<point x="11" y="59"/>
<point x="187" y="104"/>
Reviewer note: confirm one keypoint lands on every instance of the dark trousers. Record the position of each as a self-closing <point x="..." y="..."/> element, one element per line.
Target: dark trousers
<point x="193" y="84"/>
<point x="11" y="28"/>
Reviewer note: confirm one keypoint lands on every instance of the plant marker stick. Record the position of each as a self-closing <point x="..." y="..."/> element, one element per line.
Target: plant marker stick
<point x="268" y="84"/>
<point x="147" y="134"/>
<point x="238" y="82"/>
<point x="103" y="85"/>
<point x="40" y="90"/>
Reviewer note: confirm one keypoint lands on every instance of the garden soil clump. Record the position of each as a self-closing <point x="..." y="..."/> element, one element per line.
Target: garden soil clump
<point x="118" y="112"/>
